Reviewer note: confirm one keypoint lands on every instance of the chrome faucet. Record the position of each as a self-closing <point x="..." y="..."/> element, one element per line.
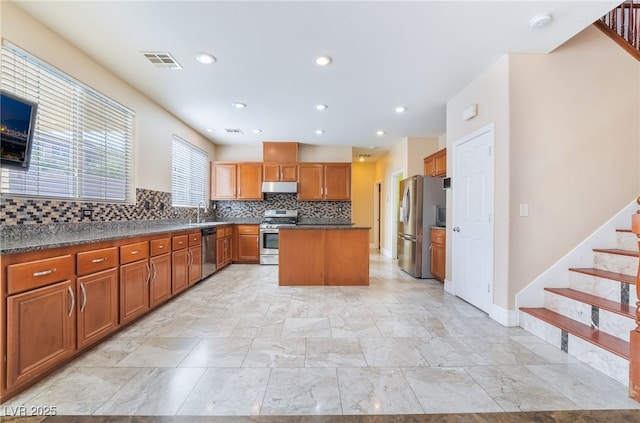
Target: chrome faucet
<point x="204" y="209"/>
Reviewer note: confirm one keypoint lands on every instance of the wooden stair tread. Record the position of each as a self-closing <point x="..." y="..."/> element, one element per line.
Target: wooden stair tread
<point x="620" y="277"/>
<point x="612" y="306"/>
<point x="605" y="341"/>
<point x="616" y="251"/>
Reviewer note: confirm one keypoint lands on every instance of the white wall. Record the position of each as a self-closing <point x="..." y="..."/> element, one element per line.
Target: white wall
<point x="154" y="125"/>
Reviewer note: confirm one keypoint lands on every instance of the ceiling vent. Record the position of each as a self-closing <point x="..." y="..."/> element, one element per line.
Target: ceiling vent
<point x="162" y="59"/>
<point x="234" y="131"/>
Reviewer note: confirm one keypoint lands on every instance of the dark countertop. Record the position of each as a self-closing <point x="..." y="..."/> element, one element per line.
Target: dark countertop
<point x="40" y="237"/>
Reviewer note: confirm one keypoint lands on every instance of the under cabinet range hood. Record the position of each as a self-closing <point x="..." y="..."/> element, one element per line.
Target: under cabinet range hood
<point x="280" y="187"/>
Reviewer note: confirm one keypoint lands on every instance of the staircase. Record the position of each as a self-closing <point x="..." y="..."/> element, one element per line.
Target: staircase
<point x="592" y="318"/>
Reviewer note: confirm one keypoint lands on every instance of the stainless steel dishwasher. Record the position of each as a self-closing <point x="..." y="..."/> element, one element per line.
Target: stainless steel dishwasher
<point x="209" y="237"/>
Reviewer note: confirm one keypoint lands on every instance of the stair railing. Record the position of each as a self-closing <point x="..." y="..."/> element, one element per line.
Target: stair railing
<point x="622" y="24"/>
<point x="634" y="338"/>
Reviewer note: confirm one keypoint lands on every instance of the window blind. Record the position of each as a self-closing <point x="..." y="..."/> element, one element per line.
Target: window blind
<point x="189" y="175"/>
<point x="83" y="141"/>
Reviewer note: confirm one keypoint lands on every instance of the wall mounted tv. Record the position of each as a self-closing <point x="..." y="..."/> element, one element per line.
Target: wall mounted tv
<point x="17" y="125"/>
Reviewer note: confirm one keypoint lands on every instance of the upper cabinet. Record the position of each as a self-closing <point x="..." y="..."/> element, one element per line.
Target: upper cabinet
<point x="236" y="181"/>
<point x="324" y="181"/>
<point x="279" y="152"/>
<point x="436" y="164"/>
<point x="280" y="172"/>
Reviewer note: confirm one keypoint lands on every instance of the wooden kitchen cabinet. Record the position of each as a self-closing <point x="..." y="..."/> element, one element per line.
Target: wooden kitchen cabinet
<point x="280" y="172"/>
<point x="186" y="261"/>
<point x="195" y="257"/>
<point x="247" y="244"/>
<point x="236" y="181"/>
<point x="40" y="331"/>
<point x="160" y="268"/>
<point x="224" y="246"/>
<point x="438" y="253"/>
<point x="324" y="181"/>
<point x="97" y="288"/>
<point x="279" y="152"/>
<point x="134" y="280"/>
<point x="436" y="163"/>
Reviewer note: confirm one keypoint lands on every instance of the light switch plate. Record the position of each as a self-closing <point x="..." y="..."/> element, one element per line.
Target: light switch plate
<point x="524" y="210"/>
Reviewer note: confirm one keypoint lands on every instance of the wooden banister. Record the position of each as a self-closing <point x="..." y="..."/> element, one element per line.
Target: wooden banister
<point x="622" y="25"/>
<point x="634" y="338"/>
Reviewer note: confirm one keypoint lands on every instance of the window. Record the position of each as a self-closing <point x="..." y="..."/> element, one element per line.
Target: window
<point x="83" y="141"/>
<point x="189" y="175"/>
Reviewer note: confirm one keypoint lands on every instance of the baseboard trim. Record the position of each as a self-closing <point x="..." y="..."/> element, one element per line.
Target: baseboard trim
<point x="503" y="316"/>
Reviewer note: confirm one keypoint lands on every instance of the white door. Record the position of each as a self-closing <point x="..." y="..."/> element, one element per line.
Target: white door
<point x="472" y="248"/>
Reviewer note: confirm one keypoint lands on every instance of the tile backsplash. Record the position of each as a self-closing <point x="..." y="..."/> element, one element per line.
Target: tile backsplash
<point x="156" y="205"/>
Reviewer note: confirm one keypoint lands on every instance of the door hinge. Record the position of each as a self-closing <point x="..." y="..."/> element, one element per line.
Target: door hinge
<point x="488" y="288"/>
<point x="489" y="150"/>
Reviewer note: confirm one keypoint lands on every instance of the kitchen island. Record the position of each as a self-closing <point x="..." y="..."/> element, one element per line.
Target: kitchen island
<point x="311" y="255"/>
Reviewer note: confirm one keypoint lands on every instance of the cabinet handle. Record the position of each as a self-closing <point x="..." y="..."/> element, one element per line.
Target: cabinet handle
<point x="160" y="246"/>
<point x="155" y="271"/>
<point x="44" y="272"/>
<point x="188" y="258"/>
<point x="73" y="301"/>
<point x="148" y="274"/>
<point x="98" y="260"/>
<point x="134" y="252"/>
<point x="84" y="297"/>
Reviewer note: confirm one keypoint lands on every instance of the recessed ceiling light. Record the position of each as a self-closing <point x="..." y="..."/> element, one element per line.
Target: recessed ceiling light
<point x="321" y="107"/>
<point x="322" y="60"/>
<point x="373" y="147"/>
<point x="257" y="131"/>
<point x="239" y="105"/>
<point x="400" y="109"/>
<point x="209" y="130"/>
<point x="205" y="58"/>
<point x="540" y="20"/>
<point x="361" y="159"/>
<point x="319" y="131"/>
<point x="380" y="133"/>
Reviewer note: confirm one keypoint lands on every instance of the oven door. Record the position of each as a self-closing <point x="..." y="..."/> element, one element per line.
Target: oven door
<point x="269" y="246"/>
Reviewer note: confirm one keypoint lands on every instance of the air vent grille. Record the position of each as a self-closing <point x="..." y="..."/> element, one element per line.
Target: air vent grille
<point x="234" y="131"/>
<point x="162" y="59"/>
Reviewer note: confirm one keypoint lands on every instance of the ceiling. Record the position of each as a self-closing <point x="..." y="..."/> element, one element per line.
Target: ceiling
<point x="417" y="54"/>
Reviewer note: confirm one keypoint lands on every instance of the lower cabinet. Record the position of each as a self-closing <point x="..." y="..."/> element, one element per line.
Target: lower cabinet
<point x="247" y="244"/>
<point x="186" y="261"/>
<point x="438" y="253"/>
<point x="134" y="290"/>
<point x="160" y="281"/>
<point x="224" y="246"/>
<point x="40" y="331"/>
<point x="97" y="306"/>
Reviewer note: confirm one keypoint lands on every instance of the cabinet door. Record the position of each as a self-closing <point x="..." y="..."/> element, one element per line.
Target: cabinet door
<point x="219" y="253"/>
<point x="271" y="172"/>
<point x="249" y="181"/>
<point x="289" y="172"/>
<point x="438" y="261"/>
<point x="248" y="248"/>
<point x="429" y="166"/>
<point x="40" y="331"/>
<point x="337" y="181"/>
<point x="134" y="290"/>
<point x="228" y="250"/>
<point x="97" y="306"/>
<point x="310" y="182"/>
<point x="440" y="166"/>
<point x="179" y="270"/>
<point x="195" y="264"/>
<point x="223" y="181"/>
<point x="160" y="284"/>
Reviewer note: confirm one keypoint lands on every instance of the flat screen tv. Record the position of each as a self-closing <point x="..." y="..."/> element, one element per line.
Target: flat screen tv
<point x="17" y="125"/>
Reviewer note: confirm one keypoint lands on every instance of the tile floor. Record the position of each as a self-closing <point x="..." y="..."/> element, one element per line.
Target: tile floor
<point x="237" y="344"/>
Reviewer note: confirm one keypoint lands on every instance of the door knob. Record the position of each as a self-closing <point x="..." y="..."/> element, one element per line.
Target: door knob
<point x="456" y="229"/>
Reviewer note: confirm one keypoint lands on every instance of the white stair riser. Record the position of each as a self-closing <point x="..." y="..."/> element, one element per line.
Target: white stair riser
<point x="611" y="323"/>
<point x="627" y="241"/>
<point x="617" y="263"/>
<point x="601" y="287"/>
<point x="608" y="363"/>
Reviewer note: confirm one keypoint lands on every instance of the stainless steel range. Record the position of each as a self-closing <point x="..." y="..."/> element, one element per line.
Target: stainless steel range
<point x="269" y="228"/>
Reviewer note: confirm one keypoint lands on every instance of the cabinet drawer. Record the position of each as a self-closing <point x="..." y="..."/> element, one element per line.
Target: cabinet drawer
<point x="97" y="260"/>
<point x="134" y="252"/>
<point x="34" y="274"/>
<point x="195" y="239"/>
<point x="160" y="246"/>
<point x="247" y="229"/>
<point x="223" y="231"/>
<point x="179" y="242"/>
<point x="438" y="236"/>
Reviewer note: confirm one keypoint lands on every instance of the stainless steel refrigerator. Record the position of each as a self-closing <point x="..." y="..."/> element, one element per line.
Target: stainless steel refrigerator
<point x="417" y="214"/>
